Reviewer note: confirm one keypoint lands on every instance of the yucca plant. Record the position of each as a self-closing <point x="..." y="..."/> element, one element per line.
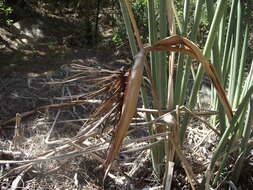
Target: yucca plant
<point x="222" y="73"/>
<point x="232" y="46"/>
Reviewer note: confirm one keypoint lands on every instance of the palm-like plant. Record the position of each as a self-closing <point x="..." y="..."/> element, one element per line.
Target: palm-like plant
<point x="221" y="47"/>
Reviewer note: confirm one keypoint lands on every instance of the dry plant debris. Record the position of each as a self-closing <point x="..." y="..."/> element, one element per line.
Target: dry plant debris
<point x="59" y="135"/>
<point x="77" y="128"/>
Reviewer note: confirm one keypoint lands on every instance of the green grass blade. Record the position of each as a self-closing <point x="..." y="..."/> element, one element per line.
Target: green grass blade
<point x="235" y="64"/>
<point x="225" y="73"/>
<point x="162" y="64"/>
<point x="244" y="144"/>
<point x="152" y="26"/>
<point x="207" y="52"/>
<point x="215" y="59"/>
<point x="227" y="48"/>
<point x="242" y="65"/>
<point x="129" y="28"/>
<point x="193" y="36"/>
<point x="229" y="129"/>
<point x="158" y="69"/>
<point x="248" y="82"/>
<point x="215" y="49"/>
<point x="178" y="97"/>
<point x="222" y="32"/>
<point x="224" y="144"/>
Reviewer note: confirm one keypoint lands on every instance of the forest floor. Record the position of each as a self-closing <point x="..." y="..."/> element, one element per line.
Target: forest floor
<point x="28" y="64"/>
<point x="26" y="67"/>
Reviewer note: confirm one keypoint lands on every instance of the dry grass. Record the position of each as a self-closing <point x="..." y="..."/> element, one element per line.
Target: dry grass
<point x="64" y="148"/>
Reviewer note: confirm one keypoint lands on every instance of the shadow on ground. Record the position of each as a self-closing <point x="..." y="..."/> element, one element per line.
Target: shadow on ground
<point x="39" y="45"/>
<point x="35" y="49"/>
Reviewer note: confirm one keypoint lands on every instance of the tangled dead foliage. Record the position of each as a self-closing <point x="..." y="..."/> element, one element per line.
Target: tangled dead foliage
<point x="64" y="144"/>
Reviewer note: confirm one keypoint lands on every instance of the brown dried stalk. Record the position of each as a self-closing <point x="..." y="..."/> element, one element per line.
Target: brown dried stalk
<point x="128" y="108"/>
<point x="176" y="44"/>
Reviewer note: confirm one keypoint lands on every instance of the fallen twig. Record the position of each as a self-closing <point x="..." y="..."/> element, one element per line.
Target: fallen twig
<point x="47" y="107"/>
<point x="16" y="182"/>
